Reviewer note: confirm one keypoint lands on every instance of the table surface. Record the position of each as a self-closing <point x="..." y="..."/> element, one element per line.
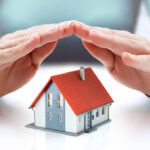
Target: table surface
<point x="129" y="128"/>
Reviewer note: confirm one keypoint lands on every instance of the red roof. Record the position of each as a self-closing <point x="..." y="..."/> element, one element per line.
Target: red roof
<point x="80" y="95"/>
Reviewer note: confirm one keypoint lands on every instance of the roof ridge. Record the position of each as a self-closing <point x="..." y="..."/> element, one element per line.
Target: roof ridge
<point x="53" y="76"/>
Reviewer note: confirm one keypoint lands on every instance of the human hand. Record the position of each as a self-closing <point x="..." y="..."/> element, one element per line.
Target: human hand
<point x="126" y="56"/>
<point x="22" y="52"/>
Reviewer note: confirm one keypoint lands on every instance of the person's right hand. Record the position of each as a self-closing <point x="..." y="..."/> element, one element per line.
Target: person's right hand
<point x="22" y="52"/>
<point x="126" y="56"/>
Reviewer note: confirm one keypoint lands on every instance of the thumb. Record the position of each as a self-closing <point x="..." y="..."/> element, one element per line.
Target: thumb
<point x="140" y="62"/>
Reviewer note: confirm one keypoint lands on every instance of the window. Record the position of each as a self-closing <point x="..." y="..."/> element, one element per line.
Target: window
<point x="97" y="113"/>
<point x="60" y="117"/>
<point x="50" y="116"/>
<point x="92" y="117"/>
<point x="103" y="111"/>
<point x="60" y="101"/>
<point x="49" y="99"/>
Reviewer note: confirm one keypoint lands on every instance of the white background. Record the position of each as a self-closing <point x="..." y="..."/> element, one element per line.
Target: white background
<point x="130" y="114"/>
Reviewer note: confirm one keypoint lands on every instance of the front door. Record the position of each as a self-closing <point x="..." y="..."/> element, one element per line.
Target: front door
<point x="87" y="120"/>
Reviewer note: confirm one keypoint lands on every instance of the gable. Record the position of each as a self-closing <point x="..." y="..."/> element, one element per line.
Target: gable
<point x="40" y="94"/>
<point x="52" y="88"/>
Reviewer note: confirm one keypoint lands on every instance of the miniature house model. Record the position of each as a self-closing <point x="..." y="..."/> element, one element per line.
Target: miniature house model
<point x="72" y="102"/>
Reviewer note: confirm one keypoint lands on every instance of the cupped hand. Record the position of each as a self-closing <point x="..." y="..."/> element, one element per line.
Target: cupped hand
<point x="22" y="52"/>
<point x="126" y="56"/>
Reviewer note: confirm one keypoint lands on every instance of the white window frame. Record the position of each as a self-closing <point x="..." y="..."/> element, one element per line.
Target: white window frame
<point x="60" y="101"/>
<point x="50" y="116"/>
<point x="59" y="117"/>
<point x="49" y="100"/>
<point x="103" y="110"/>
<point x="97" y="112"/>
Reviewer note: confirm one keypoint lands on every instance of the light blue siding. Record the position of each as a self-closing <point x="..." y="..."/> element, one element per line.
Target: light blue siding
<point x="54" y="110"/>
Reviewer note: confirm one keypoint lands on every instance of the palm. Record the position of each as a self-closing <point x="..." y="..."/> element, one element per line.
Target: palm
<point x="19" y="72"/>
<point x="131" y="77"/>
<point x="125" y="74"/>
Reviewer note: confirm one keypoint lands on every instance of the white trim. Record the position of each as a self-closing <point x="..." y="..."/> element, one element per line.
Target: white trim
<point x="61" y="101"/>
<point x="60" y="118"/>
<point x="101" y="117"/>
<point x="75" y="123"/>
<point x="72" y="123"/>
<point x="49" y="99"/>
<point x="40" y="112"/>
<point x="50" y="117"/>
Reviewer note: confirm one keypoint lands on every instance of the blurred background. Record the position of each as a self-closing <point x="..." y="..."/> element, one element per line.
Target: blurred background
<point x="115" y="14"/>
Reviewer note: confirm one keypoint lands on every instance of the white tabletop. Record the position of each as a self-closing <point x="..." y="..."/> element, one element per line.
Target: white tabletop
<point x="129" y="128"/>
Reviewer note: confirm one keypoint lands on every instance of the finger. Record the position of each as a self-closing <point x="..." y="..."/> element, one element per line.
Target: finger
<point x="117" y="41"/>
<point x="53" y="34"/>
<point x="62" y="30"/>
<point x="12" y="54"/>
<point x="140" y="62"/>
<point x="12" y="43"/>
<point x="39" y="54"/>
<point x="82" y="30"/>
<point x="27" y="32"/>
<point x="118" y="44"/>
<point x="124" y="34"/>
<point x="38" y="27"/>
<point x="102" y="54"/>
<point x="66" y="27"/>
<point x="40" y="39"/>
<point x="45" y="36"/>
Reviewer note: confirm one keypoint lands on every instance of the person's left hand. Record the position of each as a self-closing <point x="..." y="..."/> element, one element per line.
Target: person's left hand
<point x="22" y="52"/>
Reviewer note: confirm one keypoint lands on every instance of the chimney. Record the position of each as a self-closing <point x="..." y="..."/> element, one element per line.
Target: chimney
<point x="82" y="73"/>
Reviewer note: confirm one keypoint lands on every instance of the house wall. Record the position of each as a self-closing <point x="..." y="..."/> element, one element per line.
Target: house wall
<point x="40" y="112"/>
<point x="54" y="110"/>
<point x="80" y="123"/>
<point x="72" y="123"/>
<point x="101" y="117"/>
